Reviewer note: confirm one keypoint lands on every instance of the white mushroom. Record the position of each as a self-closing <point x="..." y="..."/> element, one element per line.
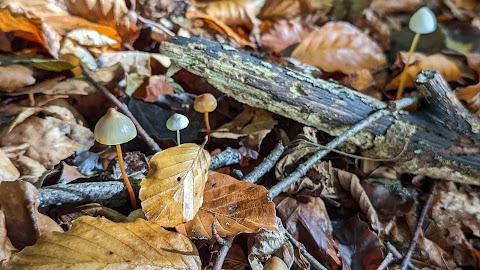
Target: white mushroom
<point x="177" y="122"/>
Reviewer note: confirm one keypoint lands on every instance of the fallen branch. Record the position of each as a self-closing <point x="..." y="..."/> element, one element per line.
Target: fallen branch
<point x="435" y="149"/>
<point x="266" y="165"/>
<point x="112" y="193"/>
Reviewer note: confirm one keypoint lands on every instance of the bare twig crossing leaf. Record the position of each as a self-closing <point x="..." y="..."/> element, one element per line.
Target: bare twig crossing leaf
<point x="233" y="206"/>
<point x="172" y="192"/>
<point x="340" y="46"/>
<point x="97" y="243"/>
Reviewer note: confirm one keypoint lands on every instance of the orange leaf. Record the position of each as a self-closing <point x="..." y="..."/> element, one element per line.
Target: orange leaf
<point x="22" y="26"/>
<point x="219" y="26"/>
<point x="234" y="207"/>
<point x="152" y="88"/>
<point x="450" y="69"/>
<point x="340" y="46"/>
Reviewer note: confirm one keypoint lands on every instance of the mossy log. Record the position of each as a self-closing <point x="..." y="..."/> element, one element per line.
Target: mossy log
<point x="442" y="137"/>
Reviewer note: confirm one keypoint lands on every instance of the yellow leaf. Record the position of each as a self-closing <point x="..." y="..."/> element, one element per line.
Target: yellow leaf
<point x="98" y="243"/>
<point x="234" y="207"/>
<point x="340" y="46"/>
<point x="172" y="192"/>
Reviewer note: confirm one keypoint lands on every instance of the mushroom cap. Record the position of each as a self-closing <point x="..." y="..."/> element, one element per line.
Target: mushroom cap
<point x="177" y="122"/>
<point x="114" y="128"/>
<point x="423" y="21"/>
<point x="205" y="103"/>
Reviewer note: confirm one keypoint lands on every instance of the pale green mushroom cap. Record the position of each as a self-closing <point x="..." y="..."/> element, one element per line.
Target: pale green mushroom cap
<point x="114" y="128"/>
<point x="423" y="21"/>
<point x="177" y="122"/>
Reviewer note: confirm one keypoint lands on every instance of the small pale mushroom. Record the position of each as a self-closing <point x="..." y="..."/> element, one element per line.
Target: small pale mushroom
<point x="177" y="122"/>
<point x="422" y="22"/>
<point x="205" y="104"/>
<point x="115" y="128"/>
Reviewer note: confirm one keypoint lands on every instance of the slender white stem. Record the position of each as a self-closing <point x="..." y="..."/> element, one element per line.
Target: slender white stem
<point x="178" y="137"/>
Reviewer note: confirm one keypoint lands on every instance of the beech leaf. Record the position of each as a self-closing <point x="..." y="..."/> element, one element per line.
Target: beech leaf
<point x="172" y="192"/>
<point x="234" y="207"/>
<point x="340" y="46"/>
<point x="14" y="77"/>
<point x="98" y="243"/>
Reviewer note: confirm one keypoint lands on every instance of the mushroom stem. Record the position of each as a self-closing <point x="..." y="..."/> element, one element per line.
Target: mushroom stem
<point x="207" y="124"/>
<point x="131" y="194"/>
<point x="403" y="77"/>
<point x="178" y="137"/>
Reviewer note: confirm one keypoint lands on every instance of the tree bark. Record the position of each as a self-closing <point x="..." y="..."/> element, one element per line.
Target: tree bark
<point x="442" y="137"/>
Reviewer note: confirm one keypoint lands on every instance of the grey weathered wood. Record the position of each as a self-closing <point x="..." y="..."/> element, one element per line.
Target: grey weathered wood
<point x="436" y="146"/>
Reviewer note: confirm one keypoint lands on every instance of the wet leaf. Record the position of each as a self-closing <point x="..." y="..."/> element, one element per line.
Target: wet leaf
<point x="172" y="192"/>
<point x="233" y="207"/>
<point x="97" y="243"/>
<point x="340" y="46"/>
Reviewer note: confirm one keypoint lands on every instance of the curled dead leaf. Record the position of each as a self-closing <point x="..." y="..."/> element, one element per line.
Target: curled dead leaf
<point x="340" y="46"/>
<point x="98" y="243"/>
<point x="173" y="190"/>
<point x="233" y="207"/>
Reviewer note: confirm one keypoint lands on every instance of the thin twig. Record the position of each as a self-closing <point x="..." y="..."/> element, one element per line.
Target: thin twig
<point x="225" y="245"/>
<point x="157" y="25"/>
<point x="112" y="193"/>
<point x="418" y="230"/>
<point x="316" y="264"/>
<point x="266" y="165"/>
<point x="122" y="108"/>
<point x="304" y="167"/>
<point x="398" y="255"/>
<point x="387" y="261"/>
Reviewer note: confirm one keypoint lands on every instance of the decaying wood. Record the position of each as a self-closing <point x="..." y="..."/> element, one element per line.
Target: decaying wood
<point x="442" y="137"/>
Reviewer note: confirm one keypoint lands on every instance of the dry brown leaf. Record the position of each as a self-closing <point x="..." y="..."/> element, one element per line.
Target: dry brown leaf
<point x="113" y="13"/>
<point x="323" y="178"/>
<point x="91" y="38"/>
<point x="233" y="12"/>
<point x="393" y="6"/>
<point x="360" y="80"/>
<point x="30" y="170"/>
<point x="14" y="77"/>
<point x="6" y="246"/>
<point x="287" y="9"/>
<point x="97" y="243"/>
<point x="233" y="207"/>
<point x="152" y="88"/>
<point x="172" y="192"/>
<point x="24" y="223"/>
<point x="219" y="26"/>
<point x="251" y="124"/>
<point x="283" y="34"/>
<point x="44" y="22"/>
<point x="308" y="221"/>
<point x="8" y="171"/>
<point x="340" y="46"/>
<point x="51" y="138"/>
<point x="133" y="61"/>
<point x="450" y="69"/>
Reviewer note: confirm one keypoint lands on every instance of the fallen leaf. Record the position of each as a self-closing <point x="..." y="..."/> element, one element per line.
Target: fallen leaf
<point x="68" y="47"/>
<point x="14" y="77"/>
<point x="65" y="216"/>
<point x="24" y="223"/>
<point x="173" y="190"/>
<point x="359" y="247"/>
<point x="233" y="207"/>
<point x="89" y="37"/>
<point x="450" y="68"/>
<point x="97" y="243"/>
<point x="340" y="46"/>
<point x="69" y="174"/>
<point x="251" y="124"/>
<point x="392" y="6"/>
<point x="133" y="61"/>
<point x="30" y="170"/>
<point x="113" y="13"/>
<point x="219" y="26"/>
<point x="287" y="9"/>
<point x="284" y="33"/>
<point x="310" y="224"/>
<point x="360" y="80"/>
<point x="51" y="138"/>
<point x="151" y="89"/>
<point x="6" y="246"/>
<point x="8" y="171"/>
